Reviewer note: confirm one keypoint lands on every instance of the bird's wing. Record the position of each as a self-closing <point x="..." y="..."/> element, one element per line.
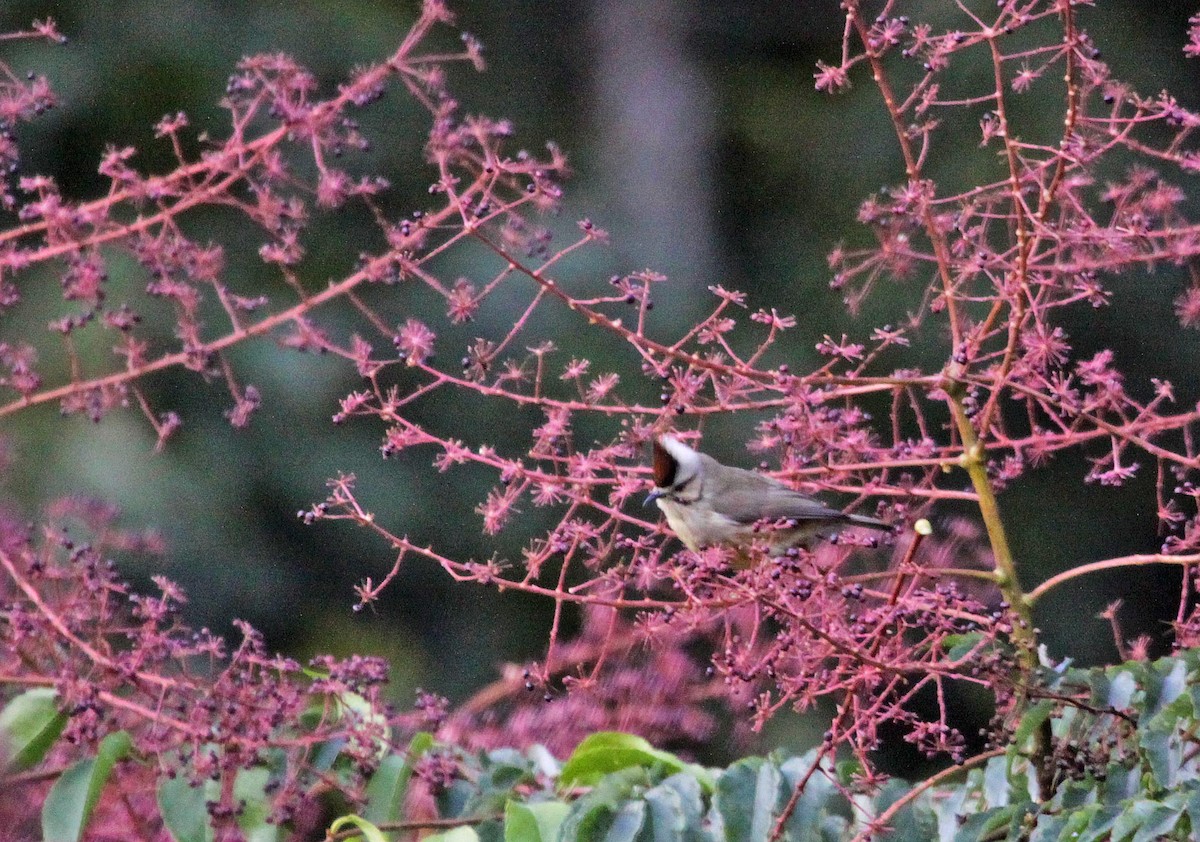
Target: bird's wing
<point x="751" y="497"/>
<point x="779" y="503"/>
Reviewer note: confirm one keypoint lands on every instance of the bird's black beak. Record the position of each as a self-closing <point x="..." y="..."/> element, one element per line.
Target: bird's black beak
<point x="652" y="496"/>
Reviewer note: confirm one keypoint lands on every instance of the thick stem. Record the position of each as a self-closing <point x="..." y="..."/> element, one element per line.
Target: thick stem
<point x="1024" y="637"/>
<point x="973" y="461"/>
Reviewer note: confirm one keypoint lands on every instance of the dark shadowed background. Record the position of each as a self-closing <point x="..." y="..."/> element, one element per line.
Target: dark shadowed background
<point x="697" y="140"/>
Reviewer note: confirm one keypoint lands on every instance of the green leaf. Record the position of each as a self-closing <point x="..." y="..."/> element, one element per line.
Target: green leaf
<point x="1164" y="750"/>
<point x="1033" y="718"/>
<point x="667" y="820"/>
<point x="347" y="706"/>
<point x="1049" y="829"/>
<point x="959" y="645"/>
<point x="997" y="787"/>
<point x="1121" y="689"/>
<point x="813" y="817"/>
<point x="915" y="822"/>
<point x="452" y="801"/>
<point x="627" y="823"/>
<point x="593" y="814"/>
<point x="954" y="801"/>
<point x="1150" y="680"/>
<point x="609" y="751"/>
<point x="326" y="754"/>
<point x="848" y="770"/>
<point x="183" y="810"/>
<point x="749" y="795"/>
<point x="1075" y="823"/>
<point x="769" y="800"/>
<point x="533" y="822"/>
<point x="677" y="802"/>
<point x="1162" y="734"/>
<point x="504" y="770"/>
<point x="29" y="726"/>
<point x="250" y="792"/>
<point x="368" y="830"/>
<point x="1146" y="820"/>
<point x="1174" y="681"/>
<point x="1101" y="824"/>
<point x="1191" y="801"/>
<point x="69" y="805"/>
<point x="389" y="785"/>
<point x="985" y="824"/>
<point x="1100" y="687"/>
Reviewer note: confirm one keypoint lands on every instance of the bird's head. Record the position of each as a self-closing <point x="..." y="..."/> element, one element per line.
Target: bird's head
<point x="677" y="471"/>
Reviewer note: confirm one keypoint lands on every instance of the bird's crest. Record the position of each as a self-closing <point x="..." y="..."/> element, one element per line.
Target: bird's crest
<point x="665" y="466"/>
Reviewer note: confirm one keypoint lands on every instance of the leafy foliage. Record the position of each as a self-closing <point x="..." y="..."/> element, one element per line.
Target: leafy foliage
<point x="1125" y="760"/>
<point x="1124" y="756"/>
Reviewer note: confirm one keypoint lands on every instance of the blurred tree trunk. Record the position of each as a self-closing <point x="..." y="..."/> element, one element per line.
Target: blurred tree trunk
<point x="654" y="123"/>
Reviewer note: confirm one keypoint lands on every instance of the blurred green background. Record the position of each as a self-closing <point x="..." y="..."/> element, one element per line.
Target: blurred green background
<point x="696" y="139"/>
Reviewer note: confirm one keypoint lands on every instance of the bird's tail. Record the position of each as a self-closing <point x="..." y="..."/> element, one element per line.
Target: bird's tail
<point x="869" y="522"/>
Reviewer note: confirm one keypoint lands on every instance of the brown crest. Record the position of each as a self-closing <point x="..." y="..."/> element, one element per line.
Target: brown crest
<point x="664" y="466"/>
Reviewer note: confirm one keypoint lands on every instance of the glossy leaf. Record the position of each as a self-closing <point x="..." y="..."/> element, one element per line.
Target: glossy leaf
<point x="389" y="784"/>
<point x="538" y="822"/>
<point x="609" y="751"/>
<point x="29" y="725"/>
<point x="73" y="797"/>
<point x="183" y="810"/>
<point x="367" y="829"/>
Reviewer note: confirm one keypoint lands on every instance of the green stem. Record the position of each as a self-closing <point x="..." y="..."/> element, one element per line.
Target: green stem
<point x="1005" y="573"/>
<point x="1024" y="636"/>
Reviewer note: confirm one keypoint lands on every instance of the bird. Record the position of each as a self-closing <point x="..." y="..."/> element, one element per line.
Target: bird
<point x="708" y="504"/>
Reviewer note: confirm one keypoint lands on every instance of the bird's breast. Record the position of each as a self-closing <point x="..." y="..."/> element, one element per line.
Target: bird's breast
<point x="698" y="526"/>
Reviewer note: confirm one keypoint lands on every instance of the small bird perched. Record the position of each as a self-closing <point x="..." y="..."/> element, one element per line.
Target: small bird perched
<point x="709" y="504"/>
